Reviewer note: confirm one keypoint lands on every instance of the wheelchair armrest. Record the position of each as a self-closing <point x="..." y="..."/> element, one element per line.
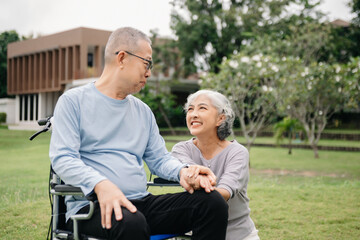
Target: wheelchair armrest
<point x="66" y="189"/>
<point x="160" y="182"/>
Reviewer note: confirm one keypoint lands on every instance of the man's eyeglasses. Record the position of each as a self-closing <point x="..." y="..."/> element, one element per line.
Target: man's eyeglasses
<point x="149" y="62"/>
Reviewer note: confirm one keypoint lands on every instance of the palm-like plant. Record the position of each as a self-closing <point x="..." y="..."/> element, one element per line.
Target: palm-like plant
<point x="289" y="127"/>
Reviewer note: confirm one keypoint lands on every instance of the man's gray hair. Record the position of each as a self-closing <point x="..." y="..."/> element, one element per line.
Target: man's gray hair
<point x="126" y="39"/>
<point x="223" y="106"/>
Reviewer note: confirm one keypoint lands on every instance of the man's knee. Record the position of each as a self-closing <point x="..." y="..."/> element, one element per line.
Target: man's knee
<point x="211" y="216"/>
<point x="132" y="224"/>
<point x="218" y="203"/>
<point x="213" y="203"/>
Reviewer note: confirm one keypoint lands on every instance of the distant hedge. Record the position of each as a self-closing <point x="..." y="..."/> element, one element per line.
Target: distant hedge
<point x="2" y="117"/>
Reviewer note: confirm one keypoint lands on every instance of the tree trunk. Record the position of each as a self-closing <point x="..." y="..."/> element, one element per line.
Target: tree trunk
<point x="290" y="145"/>
<point x="166" y="120"/>
<point x="162" y="111"/>
<point x="315" y="149"/>
<point x="248" y="145"/>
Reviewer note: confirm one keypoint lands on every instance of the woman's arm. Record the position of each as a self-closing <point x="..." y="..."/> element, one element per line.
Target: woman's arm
<point x="234" y="179"/>
<point x="225" y="193"/>
<point x="182" y="152"/>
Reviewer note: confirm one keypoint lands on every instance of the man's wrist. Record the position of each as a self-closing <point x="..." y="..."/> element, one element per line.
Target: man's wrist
<point x="186" y="165"/>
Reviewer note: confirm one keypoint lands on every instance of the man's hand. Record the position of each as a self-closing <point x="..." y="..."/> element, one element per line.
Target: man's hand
<point x="111" y="198"/>
<point x="195" y="177"/>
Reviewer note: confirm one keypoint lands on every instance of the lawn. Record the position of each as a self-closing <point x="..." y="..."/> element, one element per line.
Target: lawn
<point x="292" y="197"/>
<point x="271" y="140"/>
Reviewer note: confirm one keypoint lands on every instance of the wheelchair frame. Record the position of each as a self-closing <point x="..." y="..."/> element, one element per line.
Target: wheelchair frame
<point x="58" y="190"/>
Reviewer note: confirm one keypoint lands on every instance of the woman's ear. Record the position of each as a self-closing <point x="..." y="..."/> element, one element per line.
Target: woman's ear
<point x="221" y="119"/>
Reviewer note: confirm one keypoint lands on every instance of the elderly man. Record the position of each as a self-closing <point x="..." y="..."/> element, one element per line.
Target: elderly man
<point x="100" y="138"/>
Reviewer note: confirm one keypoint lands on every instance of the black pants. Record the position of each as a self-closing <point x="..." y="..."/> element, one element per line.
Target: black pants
<point x="206" y="214"/>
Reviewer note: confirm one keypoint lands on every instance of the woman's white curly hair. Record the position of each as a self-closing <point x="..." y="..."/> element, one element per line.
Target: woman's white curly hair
<point x="223" y="106"/>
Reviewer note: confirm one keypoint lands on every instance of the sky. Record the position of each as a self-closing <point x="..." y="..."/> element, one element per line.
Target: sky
<point x="43" y="17"/>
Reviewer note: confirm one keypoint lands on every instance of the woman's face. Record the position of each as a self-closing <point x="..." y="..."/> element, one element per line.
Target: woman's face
<point x="202" y="117"/>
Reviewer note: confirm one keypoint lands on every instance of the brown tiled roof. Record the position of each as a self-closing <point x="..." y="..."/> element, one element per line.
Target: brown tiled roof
<point x="340" y="23"/>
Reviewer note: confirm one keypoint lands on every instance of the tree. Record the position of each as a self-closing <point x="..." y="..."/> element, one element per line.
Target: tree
<point x="288" y="126"/>
<point x="5" y="38"/>
<point x="259" y="86"/>
<point x="312" y="93"/>
<point x="248" y="82"/>
<point x="209" y="30"/>
<point x="310" y="41"/>
<point x="162" y="105"/>
<point x="355" y="7"/>
<point x="166" y="56"/>
<point x="157" y="93"/>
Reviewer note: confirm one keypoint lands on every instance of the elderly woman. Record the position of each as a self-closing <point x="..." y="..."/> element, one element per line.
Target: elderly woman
<point x="209" y="118"/>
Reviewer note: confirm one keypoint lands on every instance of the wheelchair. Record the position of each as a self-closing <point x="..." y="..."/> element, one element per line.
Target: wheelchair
<point x="58" y="190"/>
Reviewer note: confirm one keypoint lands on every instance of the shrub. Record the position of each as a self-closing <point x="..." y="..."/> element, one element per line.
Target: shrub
<point x="2" y="117"/>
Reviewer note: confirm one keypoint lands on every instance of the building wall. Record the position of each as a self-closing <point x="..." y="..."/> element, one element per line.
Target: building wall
<point x="46" y="64"/>
<point x="39" y="70"/>
<point x="7" y="105"/>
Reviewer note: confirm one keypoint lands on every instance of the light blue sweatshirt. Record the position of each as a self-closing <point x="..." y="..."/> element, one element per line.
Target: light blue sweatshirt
<point x="96" y="137"/>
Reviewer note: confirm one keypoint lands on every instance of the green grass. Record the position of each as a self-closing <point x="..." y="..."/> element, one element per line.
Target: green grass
<point x="331" y="130"/>
<point x="322" y="205"/>
<point x="305" y="207"/>
<point x="271" y="140"/>
<point x="345" y="164"/>
<point x="342" y="131"/>
<point x="24" y="207"/>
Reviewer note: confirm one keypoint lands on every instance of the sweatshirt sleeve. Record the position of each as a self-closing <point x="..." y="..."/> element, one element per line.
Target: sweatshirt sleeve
<point x="64" y="148"/>
<point x="236" y="172"/>
<point x="182" y="152"/>
<point x="157" y="157"/>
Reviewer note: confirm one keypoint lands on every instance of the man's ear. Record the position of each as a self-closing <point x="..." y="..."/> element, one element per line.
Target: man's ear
<point x="120" y="58"/>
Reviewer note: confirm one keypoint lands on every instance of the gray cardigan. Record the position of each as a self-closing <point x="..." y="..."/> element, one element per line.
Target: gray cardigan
<point x="231" y="167"/>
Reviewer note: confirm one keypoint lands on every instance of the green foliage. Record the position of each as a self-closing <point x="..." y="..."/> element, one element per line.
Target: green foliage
<point x="312" y="93"/>
<point x="5" y="38"/>
<point x="289" y="127"/>
<point x="166" y="56"/>
<point x="350" y="73"/>
<point x="163" y="106"/>
<point x="311" y="41"/>
<point x="2" y="117"/>
<point x="208" y="31"/>
<point x="249" y="83"/>
<point x="344" y="43"/>
<point x="258" y="85"/>
<point x="355" y="7"/>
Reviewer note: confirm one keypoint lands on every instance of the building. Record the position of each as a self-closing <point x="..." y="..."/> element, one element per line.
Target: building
<point x="340" y="23"/>
<point x="40" y="70"/>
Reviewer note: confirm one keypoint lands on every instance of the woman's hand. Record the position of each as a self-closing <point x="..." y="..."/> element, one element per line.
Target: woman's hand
<point x="195" y="177"/>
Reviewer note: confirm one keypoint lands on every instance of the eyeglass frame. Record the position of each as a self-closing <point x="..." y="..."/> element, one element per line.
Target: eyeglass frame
<point x="150" y="63"/>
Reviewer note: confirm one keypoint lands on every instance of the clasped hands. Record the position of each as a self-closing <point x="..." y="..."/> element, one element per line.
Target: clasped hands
<point x="111" y="198"/>
<point x="195" y="177"/>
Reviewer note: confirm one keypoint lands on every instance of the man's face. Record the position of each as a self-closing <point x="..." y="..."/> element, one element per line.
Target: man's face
<point x="138" y="71"/>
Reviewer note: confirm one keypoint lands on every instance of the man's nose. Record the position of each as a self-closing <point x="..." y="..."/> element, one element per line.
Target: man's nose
<point x="148" y="73"/>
